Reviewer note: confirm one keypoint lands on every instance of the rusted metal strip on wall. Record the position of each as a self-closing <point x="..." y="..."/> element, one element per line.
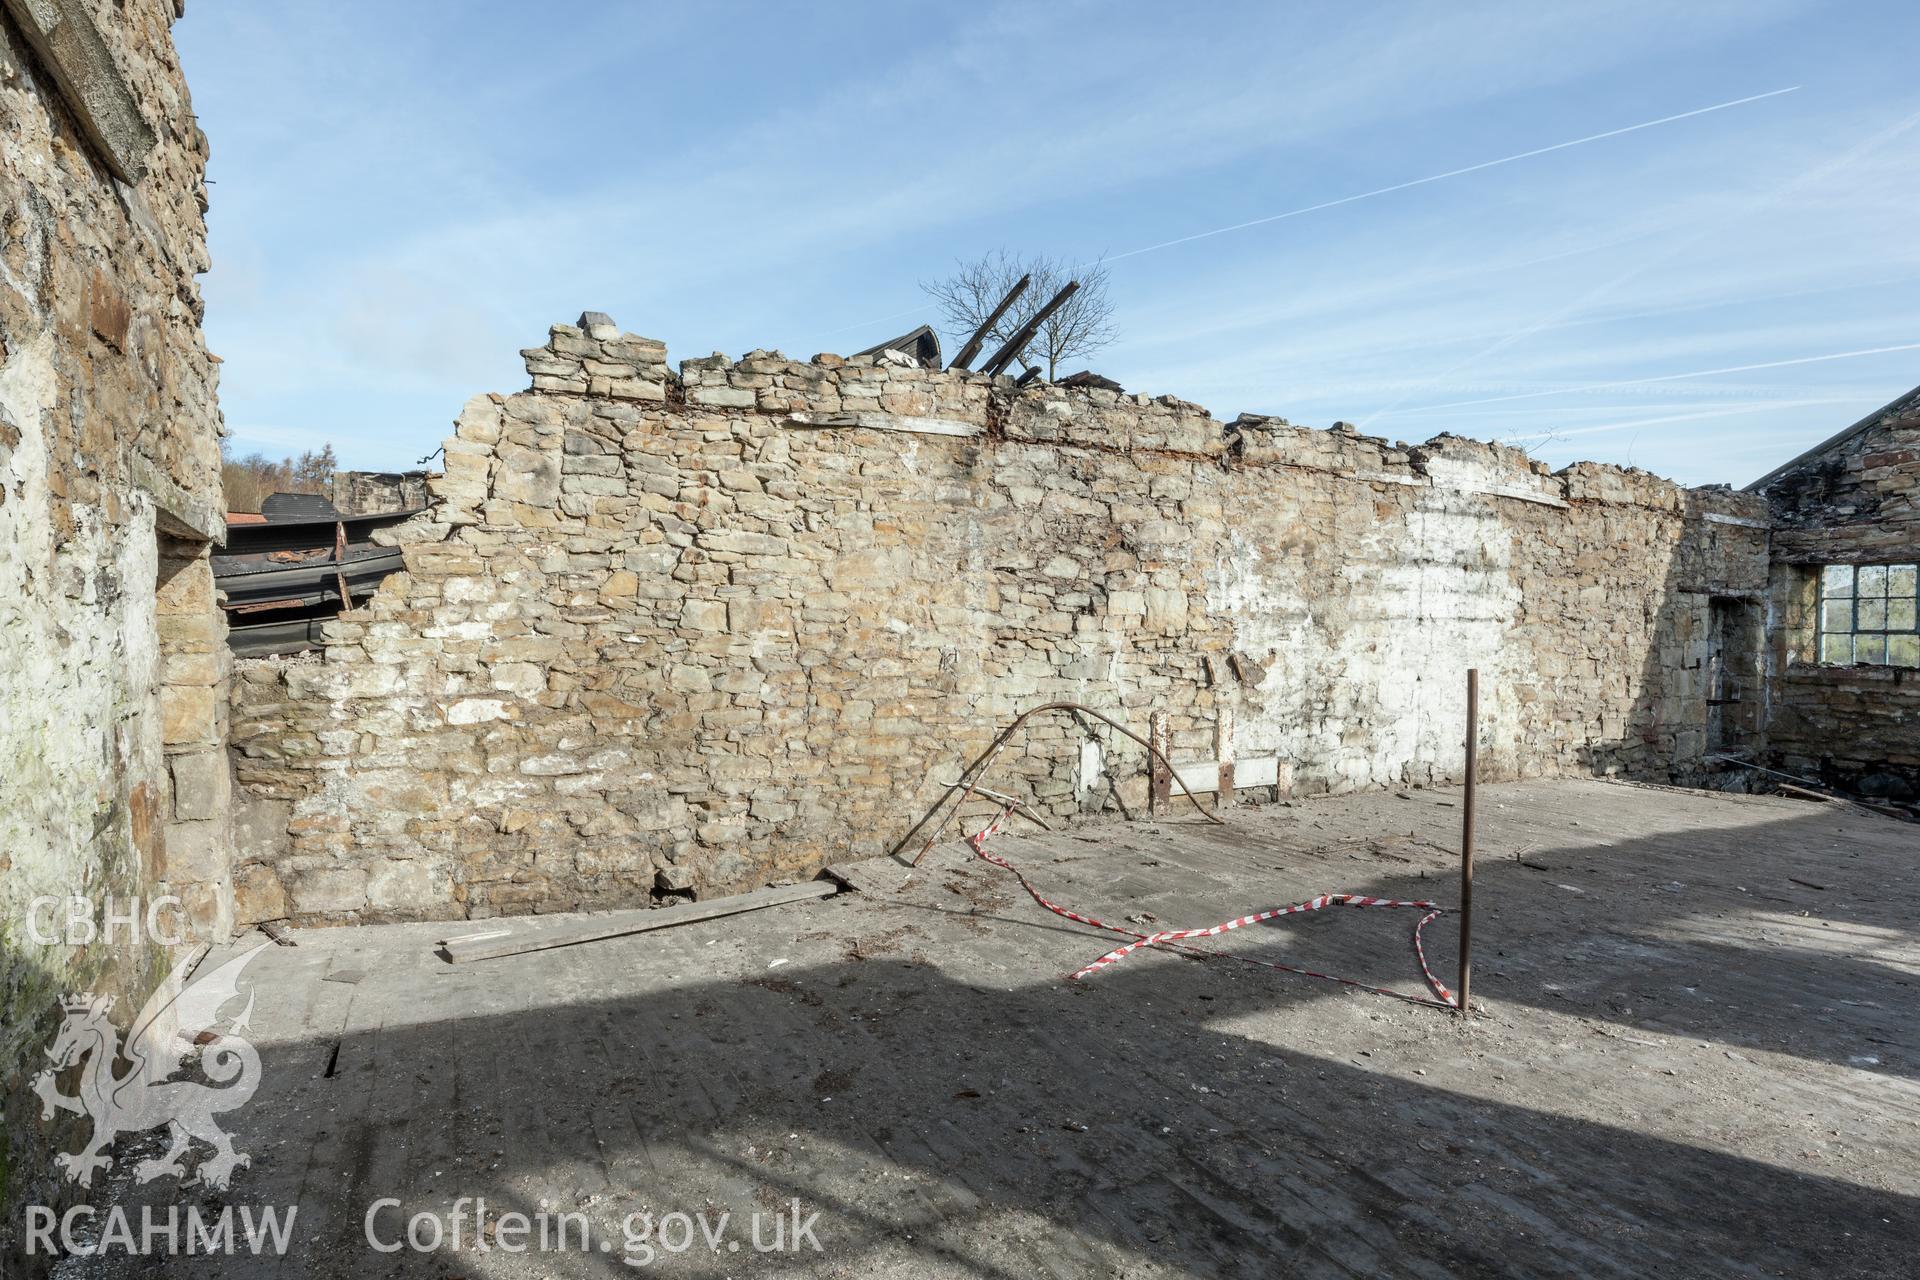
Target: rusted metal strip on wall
<point x="1223" y="752"/>
<point x="1160" y="776"/>
<point x="340" y="559"/>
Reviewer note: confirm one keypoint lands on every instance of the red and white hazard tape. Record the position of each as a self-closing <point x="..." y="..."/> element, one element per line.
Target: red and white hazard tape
<point x="1175" y="939"/>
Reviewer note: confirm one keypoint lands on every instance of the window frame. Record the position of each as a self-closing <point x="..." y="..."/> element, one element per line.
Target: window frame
<point x="1885" y="633"/>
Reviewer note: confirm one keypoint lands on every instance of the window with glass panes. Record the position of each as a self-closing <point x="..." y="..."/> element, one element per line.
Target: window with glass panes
<point x="1868" y="614"/>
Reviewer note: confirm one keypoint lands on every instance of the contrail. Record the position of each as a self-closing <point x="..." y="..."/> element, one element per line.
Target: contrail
<point x="1452" y="173"/>
<point x="1399" y="186"/>
<point x="1673" y="417"/>
<point x="1667" y="377"/>
<point x="1822" y="172"/>
<point x="896" y="315"/>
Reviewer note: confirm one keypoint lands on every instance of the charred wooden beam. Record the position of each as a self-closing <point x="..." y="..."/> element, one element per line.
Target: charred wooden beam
<point x="979" y="338"/>
<point x="1024" y="336"/>
<point x="1026" y="377"/>
<point x="340" y="562"/>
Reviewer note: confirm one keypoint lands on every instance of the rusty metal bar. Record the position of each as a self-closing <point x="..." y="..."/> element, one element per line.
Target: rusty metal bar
<point x="1466" y="834"/>
<point x="971" y="774"/>
<point x="1223" y="752"/>
<point x="1020" y="806"/>
<point x="340" y="558"/>
<point x="979" y="338"/>
<point x="1160" y="772"/>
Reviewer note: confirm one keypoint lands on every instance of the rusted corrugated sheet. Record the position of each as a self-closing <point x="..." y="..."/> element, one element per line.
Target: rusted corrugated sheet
<point x="282" y="577"/>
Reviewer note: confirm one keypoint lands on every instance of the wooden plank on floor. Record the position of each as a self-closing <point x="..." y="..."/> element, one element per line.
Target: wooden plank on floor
<point x="544" y="933"/>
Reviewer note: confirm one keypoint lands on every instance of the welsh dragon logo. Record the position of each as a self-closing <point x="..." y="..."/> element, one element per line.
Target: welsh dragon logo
<point x="173" y="1022"/>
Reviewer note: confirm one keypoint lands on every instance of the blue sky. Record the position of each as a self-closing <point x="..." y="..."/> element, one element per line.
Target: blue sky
<point x="406" y="194"/>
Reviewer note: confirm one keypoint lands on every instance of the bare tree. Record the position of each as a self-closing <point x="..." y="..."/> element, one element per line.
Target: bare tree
<point x="250" y="480"/>
<point x="1082" y="325"/>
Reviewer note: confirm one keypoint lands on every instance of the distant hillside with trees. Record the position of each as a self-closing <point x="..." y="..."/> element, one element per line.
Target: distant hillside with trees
<point x="248" y="481"/>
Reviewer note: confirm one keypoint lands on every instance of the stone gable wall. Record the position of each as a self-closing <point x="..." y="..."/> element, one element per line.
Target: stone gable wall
<point x="688" y="631"/>
<point x="112" y="654"/>
<point x="1858" y="505"/>
<point x="1851" y="727"/>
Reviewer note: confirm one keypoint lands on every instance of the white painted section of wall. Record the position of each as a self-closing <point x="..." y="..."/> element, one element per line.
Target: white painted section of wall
<point x="1091" y="770"/>
<point x="79" y="724"/>
<point x="1366" y="657"/>
<point x="1261" y="771"/>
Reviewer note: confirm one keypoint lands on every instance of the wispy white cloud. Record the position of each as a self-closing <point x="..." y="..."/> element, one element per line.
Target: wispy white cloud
<point x="1617" y="383"/>
<point x="1563" y="433"/>
<point x="392" y="219"/>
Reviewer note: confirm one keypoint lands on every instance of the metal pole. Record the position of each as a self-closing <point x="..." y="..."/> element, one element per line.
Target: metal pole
<point x="1223" y="752"/>
<point x="1466" y="835"/>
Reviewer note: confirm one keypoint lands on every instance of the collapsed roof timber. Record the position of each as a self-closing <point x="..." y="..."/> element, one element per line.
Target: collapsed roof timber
<point x="661" y="636"/>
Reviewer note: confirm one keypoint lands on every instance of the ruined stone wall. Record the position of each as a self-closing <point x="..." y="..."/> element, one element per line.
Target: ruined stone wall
<point x="669" y="632"/>
<point x="1858" y="503"/>
<point x="112" y="661"/>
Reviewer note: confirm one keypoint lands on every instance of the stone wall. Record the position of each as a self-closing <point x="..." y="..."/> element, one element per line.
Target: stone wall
<point x="367" y="493"/>
<point x="685" y="631"/>
<point x="112" y="656"/>
<point x="1857" y="502"/>
<point x="1854" y="727"/>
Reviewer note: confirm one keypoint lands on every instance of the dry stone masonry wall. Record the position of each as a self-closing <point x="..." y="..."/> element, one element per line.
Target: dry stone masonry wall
<point x="684" y="631"/>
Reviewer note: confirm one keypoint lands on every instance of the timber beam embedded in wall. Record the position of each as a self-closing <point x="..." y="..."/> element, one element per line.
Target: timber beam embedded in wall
<point x="176" y="511"/>
<point x="69" y="46"/>
<point x="873" y="421"/>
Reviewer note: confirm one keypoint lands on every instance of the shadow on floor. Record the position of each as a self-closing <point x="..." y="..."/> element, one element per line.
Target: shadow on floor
<point x="947" y="1127"/>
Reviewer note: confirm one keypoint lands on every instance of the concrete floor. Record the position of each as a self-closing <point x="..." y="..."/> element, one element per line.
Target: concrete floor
<point x="1687" y="1063"/>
